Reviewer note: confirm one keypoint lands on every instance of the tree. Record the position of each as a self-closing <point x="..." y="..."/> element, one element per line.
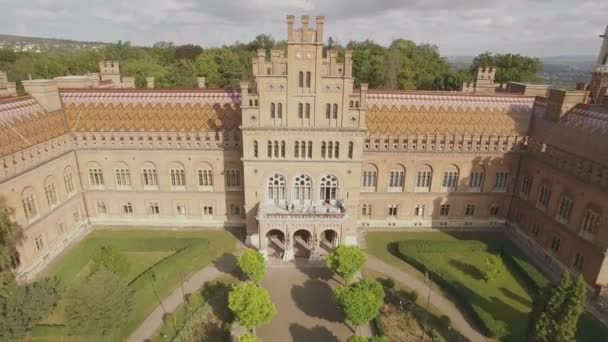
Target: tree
<point x="10" y="235"/>
<point x="249" y="338"/>
<point x="98" y="305"/>
<point x="360" y="301"/>
<point x="251" y="305"/>
<point x="356" y="338"/>
<point x="109" y="259"/>
<point x="188" y="51"/>
<point x="511" y="67"/>
<point x="346" y="261"/>
<point x="252" y="264"/>
<point x="493" y="267"/>
<point x="561" y="311"/>
<point x="25" y="305"/>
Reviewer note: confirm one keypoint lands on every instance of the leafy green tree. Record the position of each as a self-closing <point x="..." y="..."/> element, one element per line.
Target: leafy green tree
<point x="99" y="305"/>
<point x="493" y="267"/>
<point x="25" y="305"/>
<point x="346" y="261"/>
<point x="368" y="63"/>
<point x="251" y="262"/>
<point x="109" y="259"/>
<point x="251" y="305"/>
<point x="249" y="338"/>
<point x="10" y="235"/>
<point x="378" y="339"/>
<point x="511" y="67"/>
<point x="560" y="312"/>
<point x="360" y="301"/>
<point x="356" y="338"/>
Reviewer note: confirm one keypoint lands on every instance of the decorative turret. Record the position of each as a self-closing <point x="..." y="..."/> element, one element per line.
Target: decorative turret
<point x="599" y="79"/>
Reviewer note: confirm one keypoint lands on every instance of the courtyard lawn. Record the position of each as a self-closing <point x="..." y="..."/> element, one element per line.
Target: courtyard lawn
<point x="458" y="259"/>
<point x="158" y="262"/>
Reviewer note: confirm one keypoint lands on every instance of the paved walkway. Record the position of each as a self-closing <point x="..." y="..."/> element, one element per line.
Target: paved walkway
<point x="438" y="300"/>
<point x="223" y="265"/>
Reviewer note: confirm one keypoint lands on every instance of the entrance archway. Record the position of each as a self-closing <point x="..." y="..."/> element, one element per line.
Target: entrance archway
<point x="329" y="240"/>
<point x="302" y="243"/>
<point x="275" y="243"/>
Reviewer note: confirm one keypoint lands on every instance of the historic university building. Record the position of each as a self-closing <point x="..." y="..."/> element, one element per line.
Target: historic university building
<point x="303" y="159"/>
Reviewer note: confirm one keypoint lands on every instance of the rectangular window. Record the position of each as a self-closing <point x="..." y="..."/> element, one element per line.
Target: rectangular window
<point x="127" y="208"/>
<point x="565" y="209"/>
<point x="255" y="149"/>
<point x="233" y="178"/>
<point x="366" y="210"/>
<point x="335" y="110"/>
<point x="469" y="210"/>
<point x="536" y="229"/>
<point x="369" y="179"/>
<point x="555" y="244"/>
<point x="475" y="181"/>
<point x="76" y="216"/>
<point x="51" y="194"/>
<point x="300" y="110"/>
<point x="419" y="211"/>
<point x="590" y="222"/>
<point x="445" y="210"/>
<point x="543" y="197"/>
<point x="579" y="261"/>
<point x="29" y="206"/>
<point x="351" y="147"/>
<point x="153" y="208"/>
<point x="328" y="111"/>
<point x="102" y="209"/>
<point x="494" y="211"/>
<point x="69" y="183"/>
<point x="307" y="113"/>
<point x="180" y="209"/>
<point x="526" y="185"/>
<point x="501" y="181"/>
<point x="207" y="210"/>
<point x="39" y="242"/>
<point x="392" y="210"/>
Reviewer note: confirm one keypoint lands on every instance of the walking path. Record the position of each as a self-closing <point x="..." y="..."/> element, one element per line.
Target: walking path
<point x="147" y="328"/>
<point x="438" y="300"/>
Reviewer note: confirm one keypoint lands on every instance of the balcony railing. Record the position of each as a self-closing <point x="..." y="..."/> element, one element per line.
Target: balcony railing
<point x="319" y="211"/>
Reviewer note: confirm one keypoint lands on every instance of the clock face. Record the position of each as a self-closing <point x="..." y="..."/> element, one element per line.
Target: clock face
<point x="309" y="55"/>
<point x="299" y="54"/>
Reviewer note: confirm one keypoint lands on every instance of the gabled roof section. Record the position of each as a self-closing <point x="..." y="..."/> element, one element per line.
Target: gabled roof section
<point x="593" y="119"/>
<point x="402" y="112"/>
<point x="24" y="123"/>
<point x="151" y="110"/>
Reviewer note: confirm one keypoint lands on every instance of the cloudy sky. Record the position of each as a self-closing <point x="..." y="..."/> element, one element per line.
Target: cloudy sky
<point x="458" y="27"/>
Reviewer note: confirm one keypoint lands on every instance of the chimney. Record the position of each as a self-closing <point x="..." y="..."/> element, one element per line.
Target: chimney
<point x="150" y="82"/>
<point x="560" y="101"/>
<point x="244" y="93"/>
<point x="348" y="63"/>
<point x="44" y="92"/>
<point x="201" y="82"/>
<point x="305" y="22"/>
<point x="290" y="21"/>
<point x="320" y="23"/>
<point x="262" y="62"/>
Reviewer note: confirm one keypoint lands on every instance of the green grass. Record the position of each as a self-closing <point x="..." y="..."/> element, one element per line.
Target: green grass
<point x="158" y="260"/>
<point x="508" y="299"/>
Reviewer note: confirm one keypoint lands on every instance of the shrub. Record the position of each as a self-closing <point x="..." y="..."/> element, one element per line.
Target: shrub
<point x="249" y="338"/>
<point x="346" y="261"/>
<point x="251" y="305"/>
<point x="445" y="321"/>
<point x="493" y="267"/>
<point x="381" y="338"/>
<point x="360" y="301"/>
<point x="356" y="338"/>
<point x="252" y="264"/>
<point x="411" y="247"/>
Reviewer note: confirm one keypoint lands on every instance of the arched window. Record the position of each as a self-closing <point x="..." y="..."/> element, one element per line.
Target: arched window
<point x="329" y="188"/>
<point x="323" y="149"/>
<point x="450" y="179"/>
<point x="423" y="179"/>
<point x="308" y="79"/>
<point x="302" y="189"/>
<point x="369" y="178"/>
<point x="396" y="178"/>
<point x="68" y="180"/>
<point x="330" y="150"/>
<point x="282" y="148"/>
<point x="335" y="110"/>
<point x="123" y="176"/>
<point x="337" y="150"/>
<point x="178" y="176"/>
<point x="205" y="176"/>
<point x="276" y="188"/>
<point x="307" y="116"/>
<point x="310" y="150"/>
<point x="300" y="110"/>
<point x="150" y="175"/>
<point x="303" y="149"/>
<point x="351" y="148"/>
<point x="476" y="179"/>
<point x="255" y="148"/>
<point x="269" y="149"/>
<point x="49" y="191"/>
<point x="95" y="175"/>
<point x="272" y="110"/>
<point x="296" y="150"/>
<point x="276" y="149"/>
<point x="328" y="111"/>
<point x="280" y="110"/>
<point x="28" y="200"/>
<point x="301" y="79"/>
<point x="352" y="103"/>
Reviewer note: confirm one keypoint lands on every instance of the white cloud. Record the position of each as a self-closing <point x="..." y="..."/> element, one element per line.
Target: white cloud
<point x="464" y="27"/>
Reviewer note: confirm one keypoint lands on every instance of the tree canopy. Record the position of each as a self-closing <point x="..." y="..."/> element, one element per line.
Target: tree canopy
<point x="360" y="301"/>
<point x="10" y="234"/>
<point x="251" y="262"/>
<point x="402" y="64"/>
<point x="251" y="305"/>
<point x="98" y="305"/>
<point x="346" y="261"/>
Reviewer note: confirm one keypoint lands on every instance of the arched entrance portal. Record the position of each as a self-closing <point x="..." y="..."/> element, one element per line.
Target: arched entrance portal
<point x="275" y="243"/>
<point x="302" y="243"/>
<point x="329" y="240"/>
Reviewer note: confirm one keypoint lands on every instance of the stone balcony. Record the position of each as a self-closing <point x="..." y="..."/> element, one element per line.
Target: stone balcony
<point x="316" y="212"/>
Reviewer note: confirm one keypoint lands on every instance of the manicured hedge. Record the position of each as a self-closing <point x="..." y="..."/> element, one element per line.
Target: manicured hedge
<point x="489" y="326"/>
<point x="421" y="246"/>
<point x="528" y="272"/>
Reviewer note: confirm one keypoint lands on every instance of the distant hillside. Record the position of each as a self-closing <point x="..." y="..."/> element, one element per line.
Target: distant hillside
<point x="36" y="44"/>
<point x="558" y="71"/>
